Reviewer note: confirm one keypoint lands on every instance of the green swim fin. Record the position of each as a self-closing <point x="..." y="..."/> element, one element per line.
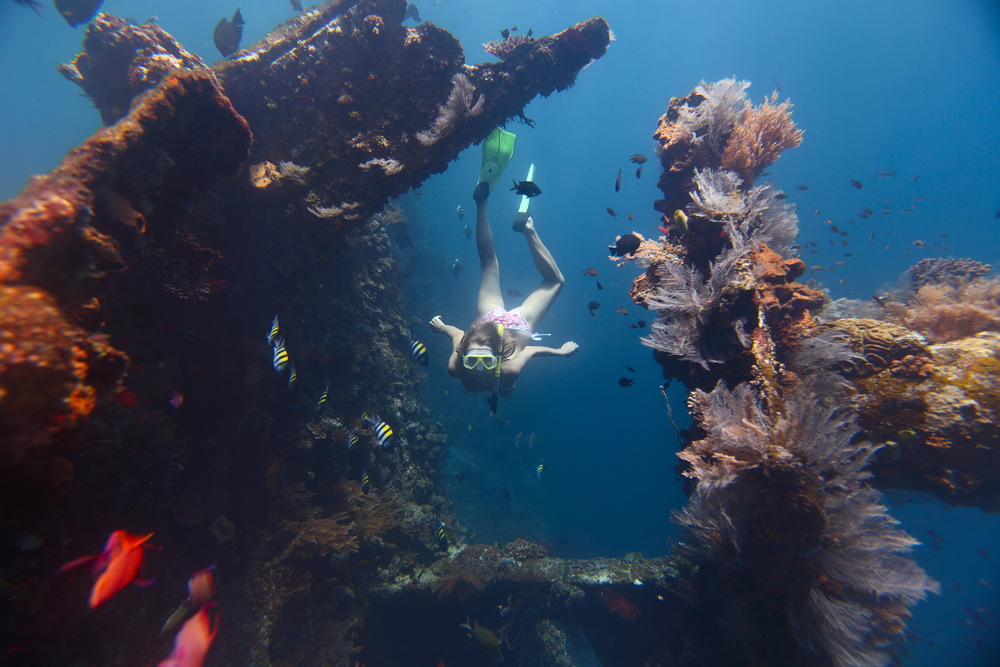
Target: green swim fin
<point x="522" y="211"/>
<point x="498" y="149"/>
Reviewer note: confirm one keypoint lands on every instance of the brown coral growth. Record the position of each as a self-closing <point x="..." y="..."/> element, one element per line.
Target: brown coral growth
<point x="330" y="535"/>
<point x="758" y="139"/>
<point x="945" y="312"/>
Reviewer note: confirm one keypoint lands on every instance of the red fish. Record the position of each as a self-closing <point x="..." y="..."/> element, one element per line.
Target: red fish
<point x="127" y="397"/>
<point x="116" y="567"/>
<point x="200" y="592"/>
<point x="192" y="642"/>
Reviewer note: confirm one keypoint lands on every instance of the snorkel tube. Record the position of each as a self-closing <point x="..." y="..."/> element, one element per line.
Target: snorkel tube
<point x="492" y="400"/>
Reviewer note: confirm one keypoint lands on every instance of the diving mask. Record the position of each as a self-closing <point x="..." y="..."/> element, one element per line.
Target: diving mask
<point x="480" y="362"/>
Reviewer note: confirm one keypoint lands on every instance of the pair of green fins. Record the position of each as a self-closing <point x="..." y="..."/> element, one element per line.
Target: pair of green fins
<point x="498" y="149"/>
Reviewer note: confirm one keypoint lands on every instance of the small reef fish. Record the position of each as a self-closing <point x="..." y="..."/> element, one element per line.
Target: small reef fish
<point x="802" y="187"/>
<point x="918" y="244"/>
<point x="456" y="267"/>
<point x="227" y="34"/>
<point x="612" y="213"/>
<point x="116" y="566"/>
<point x="887" y="172"/>
<point x="176" y="398"/>
<point x="352" y="440"/>
<point x="629" y="216"/>
<point x="777" y="86"/>
<point x="868" y="211"/>
<point x="541" y="467"/>
<point x="412" y="13"/>
<point x="461" y="212"/>
<point x="483" y="638"/>
<point x="984" y="553"/>
<point x="630" y="369"/>
<point x="506" y="494"/>
<point x="297" y="5"/>
<point x="638" y="158"/>
<point x="193" y="641"/>
<point x="275" y="330"/>
<point x="590" y="272"/>
<point x="634" y="326"/>
<point x="280" y="356"/>
<point x="513" y="292"/>
<point x="468" y="233"/>
<point x="638" y="174"/>
<point x="517" y="440"/>
<point x="592" y="306"/>
<point x="626" y="382"/>
<point x="599" y="285"/>
<point x="531" y="440"/>
<point x="621" y="311"/>
<point x="77" y="12"/>
<point x="322" y="398"/>
<point x="618" y="181"/>
<point x="292" y="377"/>
<point x="383" y="434"/>
<point x="365" y="482"/>
<point x="781" y="195"/>
<point x="625" y="245"/>
<point x="200" y="592"/>
<point x="526" y="188"/>
<point x="442" y="538"/>
<point x="856" y="184"/>
<point x="642" y="324"/>
<point x="418" y="351"/>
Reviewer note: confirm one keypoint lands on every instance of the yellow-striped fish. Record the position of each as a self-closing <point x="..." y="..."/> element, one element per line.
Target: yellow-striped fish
<point x="322" y="398"/>
<point x="383" y="434"/>
<point x="418" y="351"/>
<point x="541" y="467"/>
<point x="365" y="484"/>
<point x="442" y="538"/>
<point x="274" y="331"/>
<point x="280" y="356"/>
<point x="352" y="439"/>
<point x="292" y="377"/>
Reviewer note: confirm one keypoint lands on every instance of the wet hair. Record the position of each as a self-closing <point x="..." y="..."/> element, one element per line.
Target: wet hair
<point x="485" y="334"/>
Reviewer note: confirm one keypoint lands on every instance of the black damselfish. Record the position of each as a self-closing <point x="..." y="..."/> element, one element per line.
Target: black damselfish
<point x="228" y="34"/>
<point x="78" y="12"/>
<point x="526" y="188"/>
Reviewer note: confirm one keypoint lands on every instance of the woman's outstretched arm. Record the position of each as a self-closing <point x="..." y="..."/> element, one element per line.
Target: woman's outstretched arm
<point x="437" y="325"/>
<point x="517" y="364"/>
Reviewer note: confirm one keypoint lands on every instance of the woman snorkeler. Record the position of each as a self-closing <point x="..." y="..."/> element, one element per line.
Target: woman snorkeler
<point x="495" y="349"/>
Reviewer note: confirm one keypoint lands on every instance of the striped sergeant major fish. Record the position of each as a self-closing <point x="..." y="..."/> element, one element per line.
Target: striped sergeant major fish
<point x="541" y="467"/>
<point x="418" y="351"/>
<point x="274" y="331"/>
<point x="280" y="355"/>
<point x="352" y="439"/>
<point x="442" y="538"/>
<point x="292" y="377"/>
<point x="365" y="483"/>
<point x="383" y="434"/>
<point x="322" y="398"/>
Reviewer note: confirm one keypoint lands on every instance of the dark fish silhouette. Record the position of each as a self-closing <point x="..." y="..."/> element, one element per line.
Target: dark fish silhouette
<point x="618" y="181"/>
<point x="856" y="184"/>
<point x="630" y="369"/>
<point x="590" y="272"/>
<point x="781" y="195"/>
<point x="802" y="187"/>
<point x="526" y="188"/>
<point x="506" y="494"/>
<point x="513" y="292"/>
<point x="638" y="158"/>
<point x="612" y="213"/>
<point x="562" y="540"/>
<point x="30" y="3"/>
<point x="77" y="12"/>
<point x="642" y="324"/>
<point x="777" y="86"/>
<point x="411" y="13"/>
<point x="625" y="245"/>
<point x="599" y="285"/>
<point x="626" y="382"/>
<point x="297" y="5"/>
<point x="228" y="34"/>
<point x="505" y="33"/>
<point x="638" y="171"/>
<point x="887" y="172"/>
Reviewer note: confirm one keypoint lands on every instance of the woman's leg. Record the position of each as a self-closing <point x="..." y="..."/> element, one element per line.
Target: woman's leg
<point x="490" y="296"/>
<point x="537" y="305"/>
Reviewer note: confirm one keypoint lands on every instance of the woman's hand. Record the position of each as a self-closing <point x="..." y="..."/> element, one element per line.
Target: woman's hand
<point x="568" y="348"/>
<point x="437" y="325"/>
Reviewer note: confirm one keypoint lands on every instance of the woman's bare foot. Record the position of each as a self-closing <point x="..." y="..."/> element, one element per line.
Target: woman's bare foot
<point x="529" y="224"/>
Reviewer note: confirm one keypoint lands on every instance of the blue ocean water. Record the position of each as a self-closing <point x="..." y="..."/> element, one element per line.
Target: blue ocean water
<point x="910" y="87"/>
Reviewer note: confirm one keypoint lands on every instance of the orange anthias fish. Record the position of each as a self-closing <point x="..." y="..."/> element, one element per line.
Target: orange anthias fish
<point x="192" y="642"/>
<point x="116" y="567"/>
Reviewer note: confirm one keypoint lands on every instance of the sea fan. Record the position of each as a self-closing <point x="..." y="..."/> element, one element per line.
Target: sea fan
<point x="713" y="119"/>
<point x="770" y="220"/>
<point x="459" y="105"/>
<point x="684" y="300"/>
<point x="781" y="502"/>
<point x="825" y="351"/>
<point x="718" y="195"/>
